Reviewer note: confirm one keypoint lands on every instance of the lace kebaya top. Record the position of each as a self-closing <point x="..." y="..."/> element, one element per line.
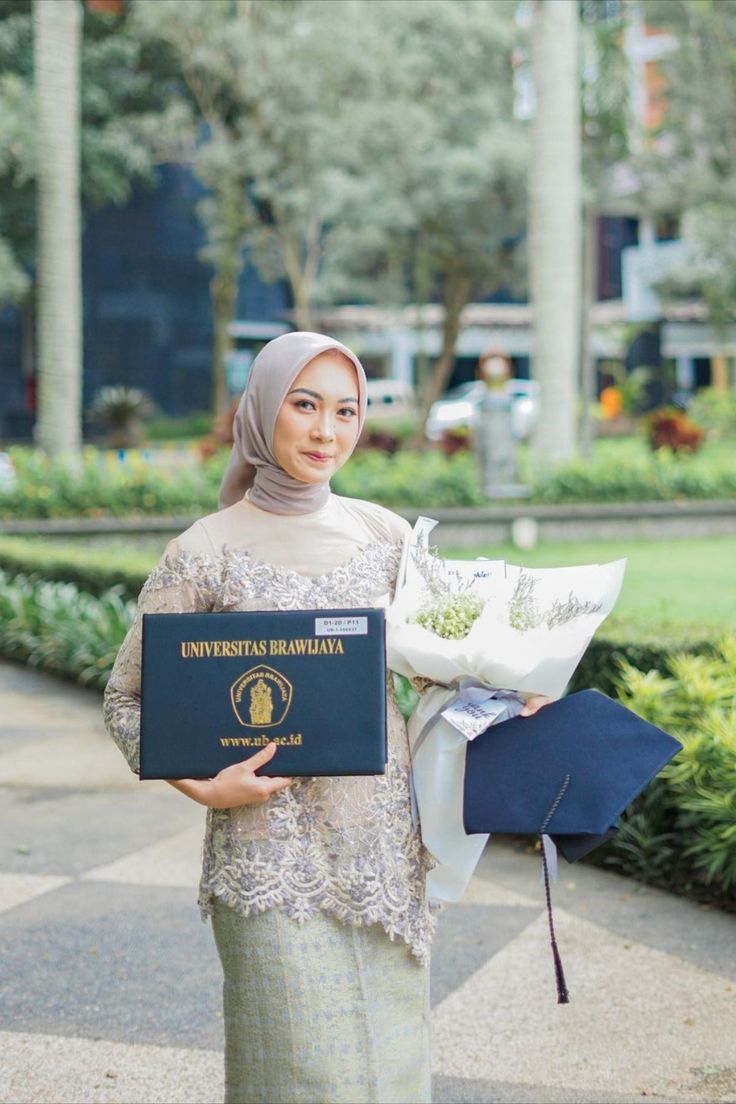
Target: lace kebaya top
<point x="344" y="845"/>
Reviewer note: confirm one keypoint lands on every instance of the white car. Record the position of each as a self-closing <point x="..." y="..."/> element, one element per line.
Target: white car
<point x="459" y="407"/>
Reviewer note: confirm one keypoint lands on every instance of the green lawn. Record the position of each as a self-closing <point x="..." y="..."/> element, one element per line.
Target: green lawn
<point x="674" y="581"/>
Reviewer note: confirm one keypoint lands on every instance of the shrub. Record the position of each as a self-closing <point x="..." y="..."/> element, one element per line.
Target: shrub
<point x="455" y="440"/>
<point x="634" y="475"/>
<point x="180" y="482"/>
<point x="681" y="833"/>
<point x="423" y="479"/>
<point x="165" y="428"/>
<point x="672" y="429"/>
<point x="622" y="645"/>
<point x="98" y="484"/>
<point x="715" y="410"/>
<point x="387" y="433"/>
<point x="61" y="629"/>
<point x="381" y="438"/>
<point x="123" y="410"/>
<point x="631" y="387"/>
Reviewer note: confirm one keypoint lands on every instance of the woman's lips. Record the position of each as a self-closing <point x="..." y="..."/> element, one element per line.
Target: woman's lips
<point x="319" y="457"/>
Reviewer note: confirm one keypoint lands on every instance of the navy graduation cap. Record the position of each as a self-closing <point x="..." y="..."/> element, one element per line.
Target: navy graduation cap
<point x="568" y="772"/>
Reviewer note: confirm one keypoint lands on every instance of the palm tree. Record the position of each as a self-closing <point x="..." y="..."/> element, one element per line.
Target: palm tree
<point x="555" y="224"/>
<point x="57" y="34"/>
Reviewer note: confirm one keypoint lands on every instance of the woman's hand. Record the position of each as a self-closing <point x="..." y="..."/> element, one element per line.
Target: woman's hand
<point x="234" y="785"/>
<point x="533" y="705"/>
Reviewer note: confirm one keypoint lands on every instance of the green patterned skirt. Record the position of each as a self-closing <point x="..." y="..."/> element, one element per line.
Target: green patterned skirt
<point x="320" y="1012"/>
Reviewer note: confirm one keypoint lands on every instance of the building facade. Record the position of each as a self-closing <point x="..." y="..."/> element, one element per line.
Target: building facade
<point x="147" y="317"/>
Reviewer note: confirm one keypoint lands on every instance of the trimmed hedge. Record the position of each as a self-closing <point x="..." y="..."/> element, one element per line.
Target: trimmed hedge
<point x="93" y="570"/>
<point x="618" y="644"/>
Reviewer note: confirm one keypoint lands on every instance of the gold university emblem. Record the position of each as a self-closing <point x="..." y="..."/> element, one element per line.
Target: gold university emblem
<point x="261" y="697"/>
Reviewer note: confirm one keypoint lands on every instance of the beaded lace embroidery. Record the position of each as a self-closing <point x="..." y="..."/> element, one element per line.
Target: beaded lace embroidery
<point x="346" y="846"/>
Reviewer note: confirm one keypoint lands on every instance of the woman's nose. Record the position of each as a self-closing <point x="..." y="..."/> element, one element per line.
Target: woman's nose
<point x="324" y="428"/>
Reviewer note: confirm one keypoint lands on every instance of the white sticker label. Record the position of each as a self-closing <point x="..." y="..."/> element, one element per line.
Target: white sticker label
<point x="341" y="626"/>
<point x="471" y="718"/>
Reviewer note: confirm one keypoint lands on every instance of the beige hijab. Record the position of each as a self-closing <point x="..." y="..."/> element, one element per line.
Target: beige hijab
<point x="252" y="465"/>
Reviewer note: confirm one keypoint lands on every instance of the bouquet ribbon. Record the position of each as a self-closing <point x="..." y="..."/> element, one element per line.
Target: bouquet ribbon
<point x="472" y="709"/>
<point x="439" y="729"/>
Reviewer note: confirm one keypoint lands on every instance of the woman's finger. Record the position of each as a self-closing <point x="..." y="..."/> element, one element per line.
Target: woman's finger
<point x="534" y="704"/>
<point x="261" y="757"/>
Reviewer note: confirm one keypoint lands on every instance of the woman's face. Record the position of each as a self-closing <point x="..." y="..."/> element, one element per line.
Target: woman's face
<point x="318" y="423"/>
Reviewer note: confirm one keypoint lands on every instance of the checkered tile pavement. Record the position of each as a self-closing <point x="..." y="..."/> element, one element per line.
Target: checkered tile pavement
<point x="110" y="985"/>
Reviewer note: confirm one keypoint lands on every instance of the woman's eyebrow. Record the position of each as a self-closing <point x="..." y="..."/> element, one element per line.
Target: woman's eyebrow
<point x="316" y="394"/>
<point x="306" y="391"/>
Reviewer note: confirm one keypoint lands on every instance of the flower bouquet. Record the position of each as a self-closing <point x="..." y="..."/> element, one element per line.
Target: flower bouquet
<point x="478" y="638"/>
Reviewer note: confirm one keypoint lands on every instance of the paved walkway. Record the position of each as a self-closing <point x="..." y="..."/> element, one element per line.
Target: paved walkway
<point x="111" y="986"/>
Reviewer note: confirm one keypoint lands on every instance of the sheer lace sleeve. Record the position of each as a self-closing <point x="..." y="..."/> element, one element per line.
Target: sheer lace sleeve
<point x="181" y="583"/>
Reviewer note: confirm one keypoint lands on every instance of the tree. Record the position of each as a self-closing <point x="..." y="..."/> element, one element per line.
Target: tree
<point x="554" y="225"/>
<point x="17" y="167"/>
<point x="347" y="150"/>
<point x="121" y="86"/>
<point x="687" y="163"/>
<point x="270" y="85"/>
<point x="123" y="95"/>
<point x="57" y="33"/>
<point x="433" y="208"/>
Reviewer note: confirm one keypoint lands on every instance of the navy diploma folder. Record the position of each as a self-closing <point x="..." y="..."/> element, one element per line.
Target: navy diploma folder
<point x="217" y="687"/>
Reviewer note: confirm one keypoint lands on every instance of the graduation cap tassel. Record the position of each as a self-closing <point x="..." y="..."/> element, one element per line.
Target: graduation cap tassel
<point x="563" y="996"/>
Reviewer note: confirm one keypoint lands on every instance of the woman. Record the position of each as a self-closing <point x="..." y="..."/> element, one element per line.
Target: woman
<point x="315" y="887"/>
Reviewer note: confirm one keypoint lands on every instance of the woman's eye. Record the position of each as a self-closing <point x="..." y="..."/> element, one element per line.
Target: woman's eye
<point x="304" y="404"/>
<point x="347" y="410"/>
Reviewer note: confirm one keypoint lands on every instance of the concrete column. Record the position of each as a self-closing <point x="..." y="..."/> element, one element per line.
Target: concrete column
<point x="685" y="373"/>
<point x="402" y="360"/>
<point x="719" y="372"/>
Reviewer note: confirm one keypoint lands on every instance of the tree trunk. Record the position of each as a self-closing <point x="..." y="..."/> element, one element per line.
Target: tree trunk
<point x="421" y="294"/>
<point x="554" y="225"/>
<point x="57" y="35"/>
<point x="300" y="285"/>
<point x="302" y="306"/>
<point x="587" y="358"/>
<point x="223" y="295"/>
<point x="456" y="296"/>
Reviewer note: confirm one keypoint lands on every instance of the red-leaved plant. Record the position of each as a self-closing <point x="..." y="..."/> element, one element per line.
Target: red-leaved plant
<point x="671" y="428"/>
